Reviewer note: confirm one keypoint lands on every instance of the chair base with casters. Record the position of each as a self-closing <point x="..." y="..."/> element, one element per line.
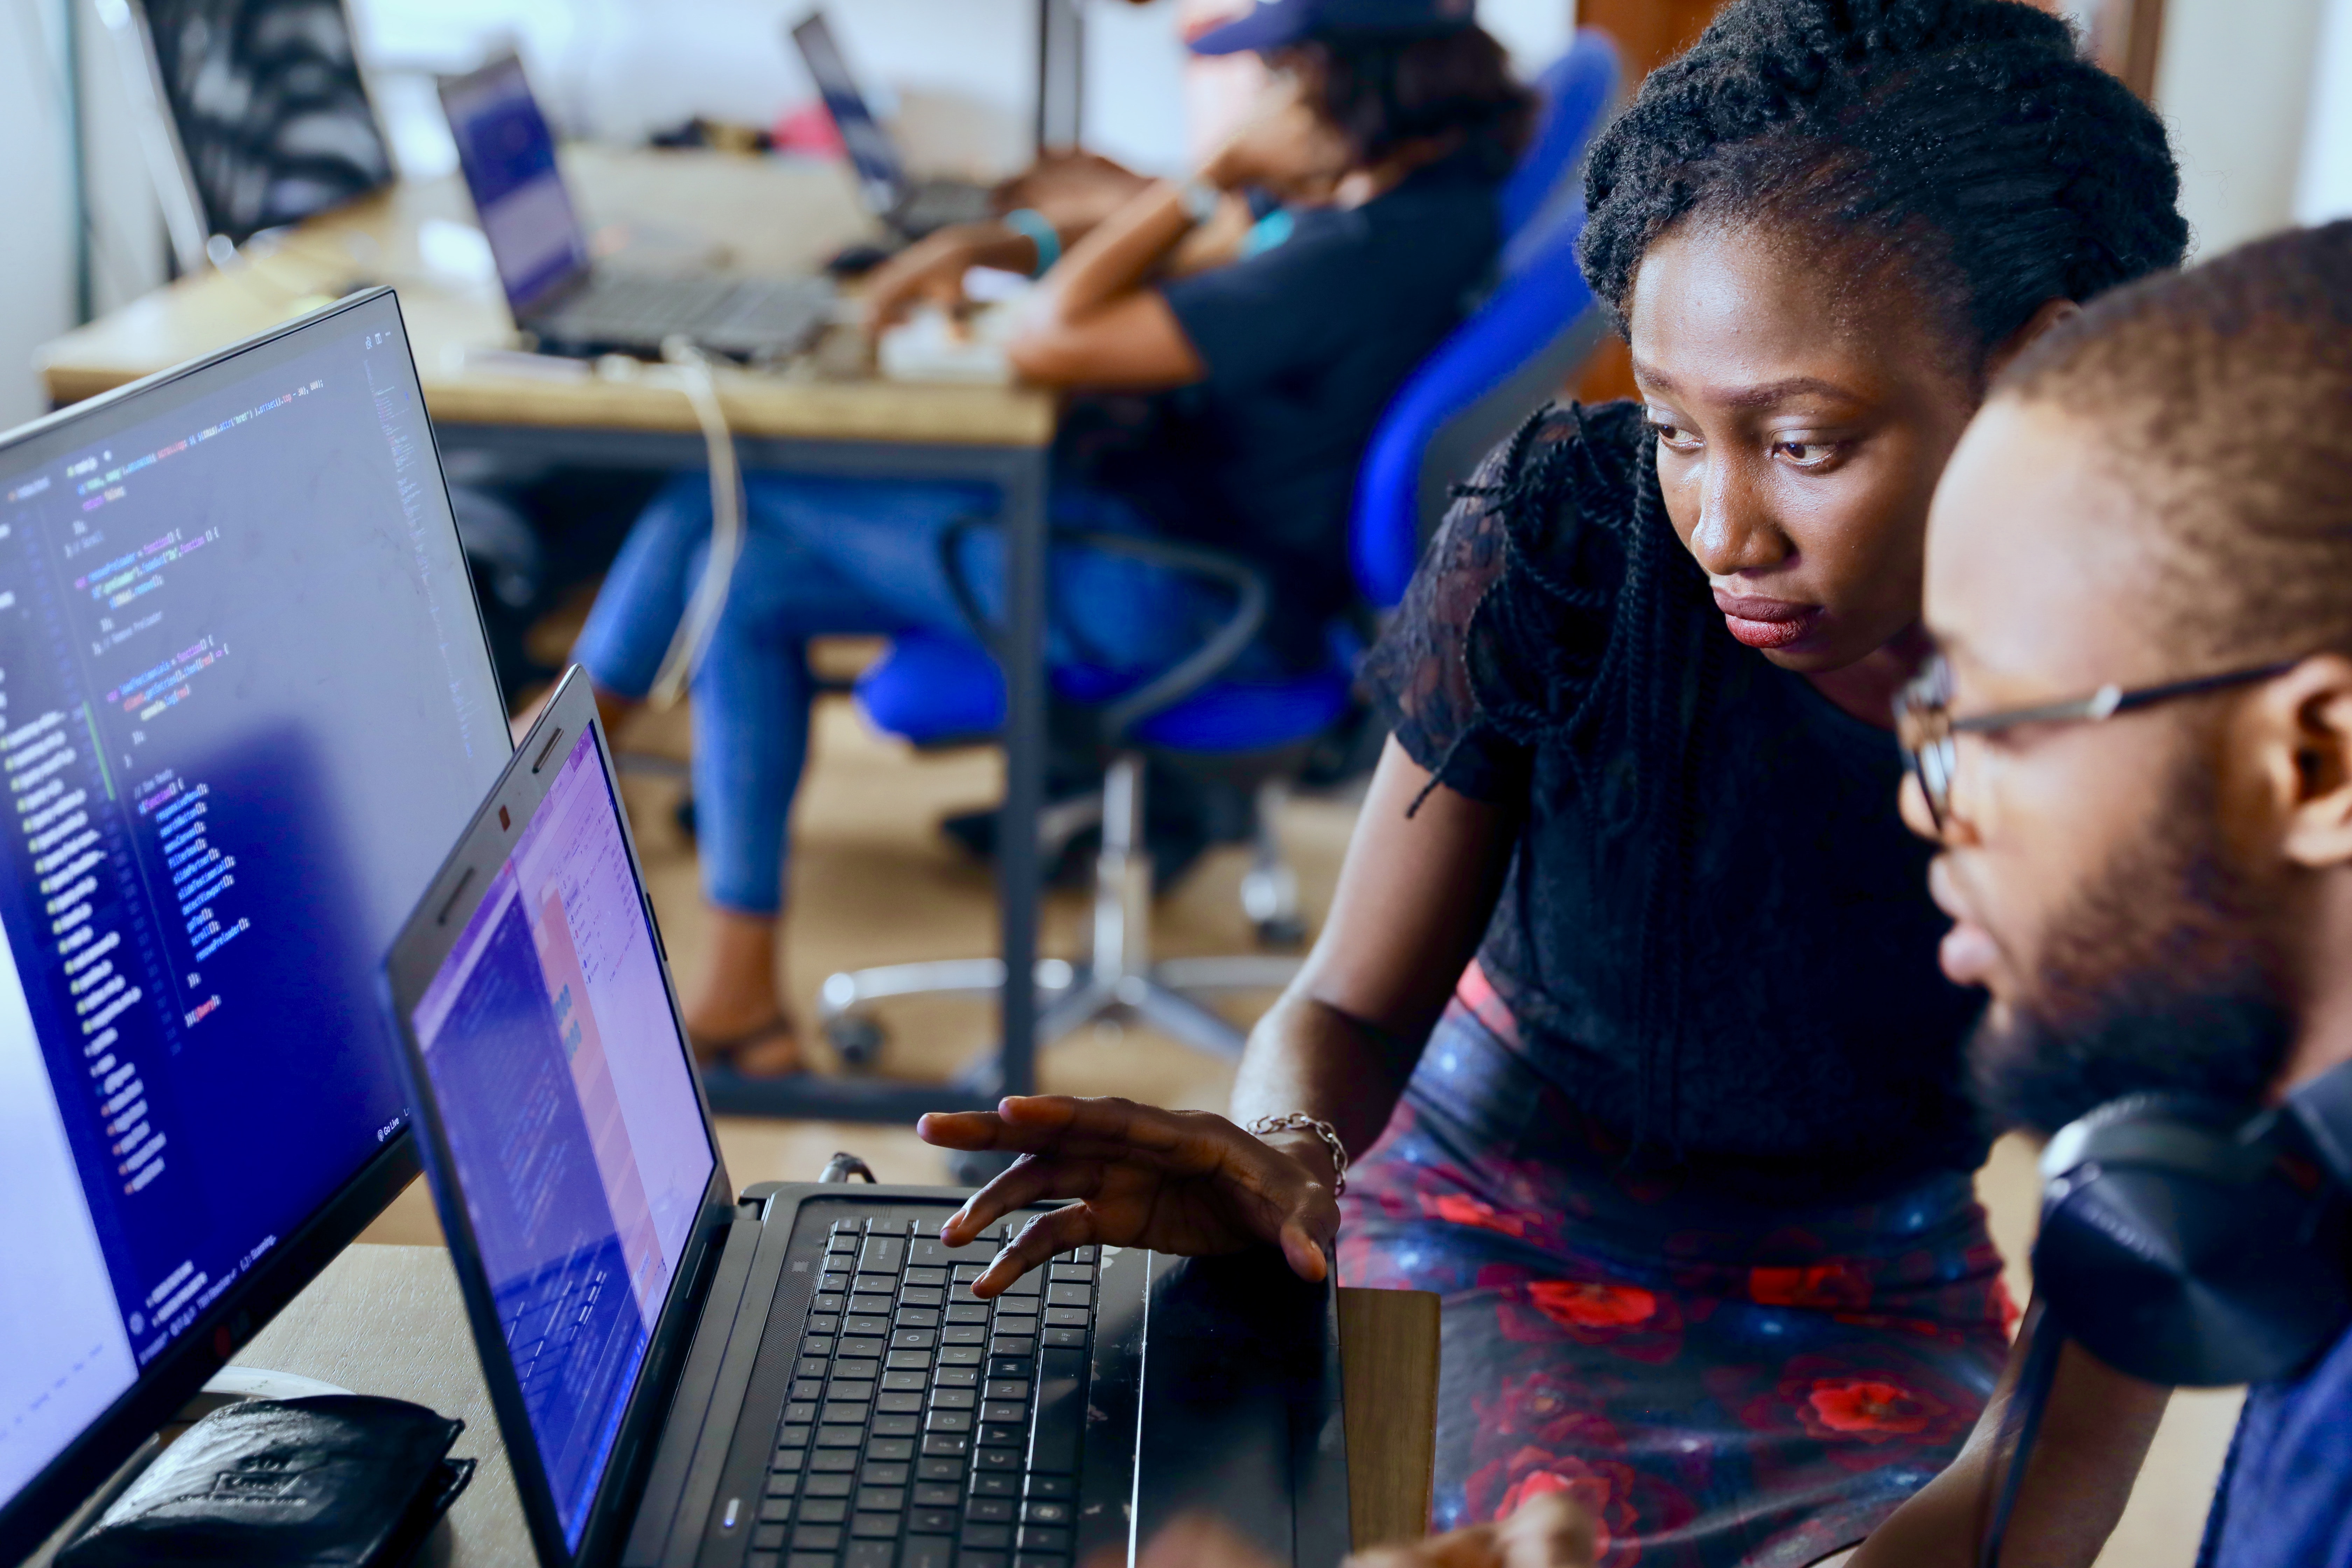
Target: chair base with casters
<point x="1118" y="979"/>
<point x="1250" y="735"/>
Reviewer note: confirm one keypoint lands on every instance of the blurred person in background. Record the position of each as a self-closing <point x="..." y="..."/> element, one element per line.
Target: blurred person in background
<point x="1387" y="128"/>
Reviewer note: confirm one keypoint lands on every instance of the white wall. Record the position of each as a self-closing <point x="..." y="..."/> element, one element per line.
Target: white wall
<point x="2234" y="83"/>
<point x="36" y="266"/>
<point x="37" y="252"/>
<point x="2324" y="190"/>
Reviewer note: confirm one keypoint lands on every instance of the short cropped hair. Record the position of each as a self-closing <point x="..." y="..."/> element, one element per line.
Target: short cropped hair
<point x="1966" y="141"/>
<point x="2222" y="397"/>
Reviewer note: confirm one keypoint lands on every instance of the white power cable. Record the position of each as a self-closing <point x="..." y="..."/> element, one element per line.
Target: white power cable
<point x="690" y="373"/>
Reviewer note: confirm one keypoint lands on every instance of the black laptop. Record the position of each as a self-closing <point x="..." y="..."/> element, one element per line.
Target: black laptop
<point x="914" y="207"/>
<point x="798" y="1376"/>
<point x="559" y="295"/>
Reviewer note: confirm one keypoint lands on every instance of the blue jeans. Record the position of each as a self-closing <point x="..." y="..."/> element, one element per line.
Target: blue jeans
<point x="842" y="557"/>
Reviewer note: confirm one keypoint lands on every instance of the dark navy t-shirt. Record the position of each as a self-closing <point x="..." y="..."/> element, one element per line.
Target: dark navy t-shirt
<point x="1306" y="342"/>
<point x="2285" y="1499"/>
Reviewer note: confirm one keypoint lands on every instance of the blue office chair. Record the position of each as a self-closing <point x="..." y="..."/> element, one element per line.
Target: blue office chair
<point x="1573" y="95"/>
<point x="934" y="689"/>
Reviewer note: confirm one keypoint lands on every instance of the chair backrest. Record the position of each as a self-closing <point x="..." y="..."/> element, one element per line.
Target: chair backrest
<point x="1499" y="366"/>
<point x="1572" y="95"/>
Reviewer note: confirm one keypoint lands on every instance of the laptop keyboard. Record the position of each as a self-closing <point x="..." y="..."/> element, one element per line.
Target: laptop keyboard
<point x="736" y="315"/>
<point x="923" y="1427"/>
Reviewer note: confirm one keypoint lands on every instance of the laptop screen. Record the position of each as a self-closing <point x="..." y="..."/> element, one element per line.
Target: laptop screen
<point x="574" y="1135"/>
<point x="507" y="155"/>
<point x="871" y="154"/>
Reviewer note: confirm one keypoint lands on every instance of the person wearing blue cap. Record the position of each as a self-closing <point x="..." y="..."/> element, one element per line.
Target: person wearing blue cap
<point x="1279" y="23"/>
<point x="1232" y="339"/>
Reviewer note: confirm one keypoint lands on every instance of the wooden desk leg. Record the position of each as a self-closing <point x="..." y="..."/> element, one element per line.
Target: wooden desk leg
<point x="1388" y="1361"/>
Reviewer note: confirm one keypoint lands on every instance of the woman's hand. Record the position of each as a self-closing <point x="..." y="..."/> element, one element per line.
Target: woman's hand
<point x="1182" y="1182"/>
<point x="1546" y="1532"/>
<point x="931" y="271"/>
<point x="1075" y="191"/>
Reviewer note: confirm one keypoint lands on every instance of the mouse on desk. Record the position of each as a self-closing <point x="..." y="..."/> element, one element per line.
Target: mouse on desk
<point x="856" y="261"/>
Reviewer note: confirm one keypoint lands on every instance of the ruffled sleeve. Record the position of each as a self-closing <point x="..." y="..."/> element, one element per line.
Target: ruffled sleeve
<point x="1418" y="672"/>
<point x="1506" y="617"/>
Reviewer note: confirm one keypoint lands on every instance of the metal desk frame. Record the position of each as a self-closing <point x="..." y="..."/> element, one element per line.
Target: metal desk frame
<point x="1018" y="473"/>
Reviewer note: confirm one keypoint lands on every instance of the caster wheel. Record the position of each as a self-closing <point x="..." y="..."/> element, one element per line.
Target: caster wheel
<point x="1287" y="930"/>
<point x="968" y="1168"/>
<point x="859" y="1040"/>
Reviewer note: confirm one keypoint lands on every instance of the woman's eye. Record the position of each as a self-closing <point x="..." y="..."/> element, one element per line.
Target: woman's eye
<point x="1675" y="436"/>
<point x="1805" y="454"/>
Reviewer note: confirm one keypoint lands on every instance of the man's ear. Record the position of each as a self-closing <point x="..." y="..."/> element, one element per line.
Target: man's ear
<point x="2304" y="733"/>
<point x="2052" y="313"/>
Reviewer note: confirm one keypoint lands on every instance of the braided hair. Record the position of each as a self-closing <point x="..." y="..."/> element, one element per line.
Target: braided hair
<point x="1967" y="138"/>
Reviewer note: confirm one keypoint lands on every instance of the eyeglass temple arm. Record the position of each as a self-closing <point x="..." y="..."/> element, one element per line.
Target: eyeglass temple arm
<point x="2111" y="700"/>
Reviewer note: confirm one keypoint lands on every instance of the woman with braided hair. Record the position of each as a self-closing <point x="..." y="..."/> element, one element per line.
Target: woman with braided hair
<point x="1629" y="1001"/>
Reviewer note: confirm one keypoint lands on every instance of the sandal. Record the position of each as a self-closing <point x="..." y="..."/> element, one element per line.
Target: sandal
<point x="742" y="1054"/>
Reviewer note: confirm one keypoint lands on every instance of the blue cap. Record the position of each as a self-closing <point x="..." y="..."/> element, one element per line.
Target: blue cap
<point x="1272" y="24"/>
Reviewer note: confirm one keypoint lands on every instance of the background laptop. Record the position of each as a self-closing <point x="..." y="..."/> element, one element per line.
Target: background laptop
<point x="913" y="207"/>
<point x="799" y="1377"/>
<point x="570" y="303"/>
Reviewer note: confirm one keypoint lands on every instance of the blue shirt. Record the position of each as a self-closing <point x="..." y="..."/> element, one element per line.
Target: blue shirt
<point x="2285" y="1497"/>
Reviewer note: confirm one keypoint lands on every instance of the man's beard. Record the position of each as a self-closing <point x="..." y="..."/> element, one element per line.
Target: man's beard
<point x="2156" y="978"/>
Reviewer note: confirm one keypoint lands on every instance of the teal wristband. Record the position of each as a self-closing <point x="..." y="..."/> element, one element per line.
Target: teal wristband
<point x="1029" y="221"/>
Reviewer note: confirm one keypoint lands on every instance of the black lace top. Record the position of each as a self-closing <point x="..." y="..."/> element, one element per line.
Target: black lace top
<point x="1715" y="935"/>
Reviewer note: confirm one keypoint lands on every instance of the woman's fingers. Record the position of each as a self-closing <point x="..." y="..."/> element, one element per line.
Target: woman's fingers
<point x="1304" y="1254"/>
<point x="1473" y="1546"/>
<point x="1180" y="1143"/>
<point x="1547" y="1531"/>
<point x="1031" y="1180"/>
<point x="1198" y="1541"/>
<point x="1046" y="1234"/>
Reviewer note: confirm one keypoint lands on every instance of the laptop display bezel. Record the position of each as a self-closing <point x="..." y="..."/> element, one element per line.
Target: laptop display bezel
<point x="455" y="893"/>
<point x="167" y="1382"/>
<point x="558" y="285"/>
<point x="886" y="184"/>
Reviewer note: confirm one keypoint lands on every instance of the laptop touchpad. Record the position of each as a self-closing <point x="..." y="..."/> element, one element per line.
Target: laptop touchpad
<point x="1241" y="1401"/>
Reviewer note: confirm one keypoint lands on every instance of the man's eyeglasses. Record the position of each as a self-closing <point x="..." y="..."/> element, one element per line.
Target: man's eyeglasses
<point x="1927" y="732"/>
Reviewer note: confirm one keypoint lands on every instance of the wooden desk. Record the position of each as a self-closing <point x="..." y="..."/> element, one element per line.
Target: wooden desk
<point x="387" y="1320"/>
<point x="824" y="413"/>
<point x="755" y="215"/>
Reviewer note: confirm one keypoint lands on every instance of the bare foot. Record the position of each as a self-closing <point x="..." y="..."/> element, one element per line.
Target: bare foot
<point x="738" y="1013"/>
<point x="769" y="1050"/>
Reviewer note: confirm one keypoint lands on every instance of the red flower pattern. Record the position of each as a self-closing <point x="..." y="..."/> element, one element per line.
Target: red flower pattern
<point x="1873" y="1412"/>
<point x="1455" y="1209"/>
<point x="1584" y="1305"/>
<point x="1835" y="1287"/>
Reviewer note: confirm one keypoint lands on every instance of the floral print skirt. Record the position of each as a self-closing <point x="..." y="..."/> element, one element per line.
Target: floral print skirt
<point x="1717" y="1381"/>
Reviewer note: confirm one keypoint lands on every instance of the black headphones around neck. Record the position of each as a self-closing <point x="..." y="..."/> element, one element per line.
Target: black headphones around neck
<point x="2188" y="1245"/>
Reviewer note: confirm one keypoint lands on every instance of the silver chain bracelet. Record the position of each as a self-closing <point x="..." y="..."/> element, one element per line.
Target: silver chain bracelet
<point x="1299" y="1121"/>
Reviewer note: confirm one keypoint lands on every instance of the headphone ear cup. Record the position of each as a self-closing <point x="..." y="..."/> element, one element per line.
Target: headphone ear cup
<point x="2178" y="1253"/>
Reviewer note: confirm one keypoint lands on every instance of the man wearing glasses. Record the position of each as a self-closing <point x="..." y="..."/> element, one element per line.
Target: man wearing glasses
<point x="2135" y="747"/>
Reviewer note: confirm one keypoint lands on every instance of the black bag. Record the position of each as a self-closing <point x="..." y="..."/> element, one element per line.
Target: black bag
<point x="339" y="1480"/>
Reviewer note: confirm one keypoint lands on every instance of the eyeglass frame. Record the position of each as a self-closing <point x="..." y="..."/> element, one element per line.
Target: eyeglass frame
<point x="1924" y="739"/>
